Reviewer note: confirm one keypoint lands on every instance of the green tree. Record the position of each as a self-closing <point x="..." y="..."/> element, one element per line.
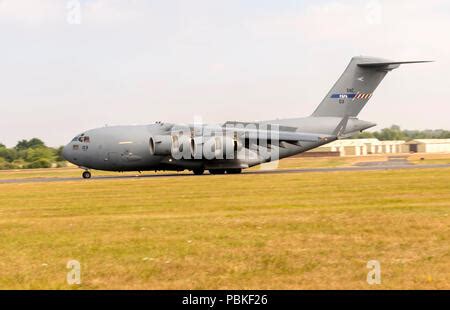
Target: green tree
<point x="58" y="154"/>
<point x="37" y="153"/>
<point x="35" y="142"/>
<point x="396" y="133"/>
<point x="21" y="145"/>
<point x="392" y="133"/>
<point x="26" y="144"/>
<point x="40" y="163"/>
<point x="363" y="135"/>
<point x="8" y="154"/>
<point x="6" y="165"/>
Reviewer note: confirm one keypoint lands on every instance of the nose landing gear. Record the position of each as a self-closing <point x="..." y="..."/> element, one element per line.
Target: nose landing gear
<point x="86" y="175"/>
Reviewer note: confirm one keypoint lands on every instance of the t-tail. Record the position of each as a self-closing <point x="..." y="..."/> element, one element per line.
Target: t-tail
<point x="355" y="87"/>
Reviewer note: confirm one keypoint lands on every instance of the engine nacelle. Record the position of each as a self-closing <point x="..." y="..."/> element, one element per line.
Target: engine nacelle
<point x="160" y="145"/>
<point x="175" y="145"/>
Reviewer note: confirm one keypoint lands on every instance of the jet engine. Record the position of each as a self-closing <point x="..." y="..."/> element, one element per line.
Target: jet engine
<point x="160" y="145"/>
<point x="171" y="144"/>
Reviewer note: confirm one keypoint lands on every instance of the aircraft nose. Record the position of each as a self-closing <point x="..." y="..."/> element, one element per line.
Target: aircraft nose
<point x="65" y="152"/>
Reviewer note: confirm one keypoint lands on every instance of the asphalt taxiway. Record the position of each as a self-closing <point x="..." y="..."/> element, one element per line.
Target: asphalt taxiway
<point x="367" y="167"/>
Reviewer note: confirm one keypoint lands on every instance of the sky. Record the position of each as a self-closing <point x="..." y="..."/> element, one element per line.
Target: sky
<point x="71" y="65"/>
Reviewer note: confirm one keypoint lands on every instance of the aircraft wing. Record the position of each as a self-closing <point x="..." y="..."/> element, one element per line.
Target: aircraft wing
<point x="278" y="135"/>
<point x="288" y="134"/>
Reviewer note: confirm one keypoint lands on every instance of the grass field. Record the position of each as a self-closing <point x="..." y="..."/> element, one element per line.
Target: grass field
<point x="286" y="231"/>
<point x="287" y="163"/>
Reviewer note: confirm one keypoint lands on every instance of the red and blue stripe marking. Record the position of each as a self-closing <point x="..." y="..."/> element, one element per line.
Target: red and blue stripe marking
<point x="353" y="96"/>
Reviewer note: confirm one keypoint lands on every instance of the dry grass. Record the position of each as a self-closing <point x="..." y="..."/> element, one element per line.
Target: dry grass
<point x="319" y="162"/>
<point x="429" y="159"/>
<point x="291" y="231"/>
<point x="70" y="172"/>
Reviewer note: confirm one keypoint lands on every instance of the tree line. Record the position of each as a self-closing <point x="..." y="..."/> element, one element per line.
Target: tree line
<point x="396" y="133"/>
<point x="34" y="153"/>
<point x="28" y="154"/>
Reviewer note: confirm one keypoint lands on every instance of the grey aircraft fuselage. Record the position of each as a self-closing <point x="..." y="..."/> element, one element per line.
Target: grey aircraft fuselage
<point x="126" y="148"/>
<point x="129" y="148"/>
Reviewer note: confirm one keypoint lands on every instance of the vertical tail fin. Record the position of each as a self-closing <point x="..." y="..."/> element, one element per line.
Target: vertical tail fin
<point x="355" y="87"/>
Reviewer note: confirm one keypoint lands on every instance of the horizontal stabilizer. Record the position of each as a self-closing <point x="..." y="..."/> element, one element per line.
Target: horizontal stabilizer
<point x="385" y="64"/>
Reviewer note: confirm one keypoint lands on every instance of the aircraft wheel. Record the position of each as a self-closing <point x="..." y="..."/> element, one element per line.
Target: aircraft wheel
<point x="234" y="171"/>
<point x="199" y="171"/>
<point x="86" y="175"/>
<point x="217" y="171"/>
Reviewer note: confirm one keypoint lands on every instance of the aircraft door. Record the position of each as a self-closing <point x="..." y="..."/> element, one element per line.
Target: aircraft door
<point x="113" y="159"/>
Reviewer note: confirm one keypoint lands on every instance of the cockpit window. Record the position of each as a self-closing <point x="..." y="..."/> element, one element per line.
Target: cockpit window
<point x="81" y="138"/>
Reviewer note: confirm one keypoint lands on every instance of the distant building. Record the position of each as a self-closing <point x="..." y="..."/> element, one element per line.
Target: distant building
<point x="361" y="147"/>
<point x="391" y="146"/>
<point x="427" y="146"/>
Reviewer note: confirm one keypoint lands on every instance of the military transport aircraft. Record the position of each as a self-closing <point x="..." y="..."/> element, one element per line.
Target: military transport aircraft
<point x="232" y="146"/>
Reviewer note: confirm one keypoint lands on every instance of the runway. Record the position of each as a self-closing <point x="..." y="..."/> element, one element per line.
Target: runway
<point x="274" y="171"/>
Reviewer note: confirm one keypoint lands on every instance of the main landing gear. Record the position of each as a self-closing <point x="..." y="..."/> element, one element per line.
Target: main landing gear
<point x="199" y="171"/>
<point x="86" y="175"/>
<point x="234" y="171"/>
